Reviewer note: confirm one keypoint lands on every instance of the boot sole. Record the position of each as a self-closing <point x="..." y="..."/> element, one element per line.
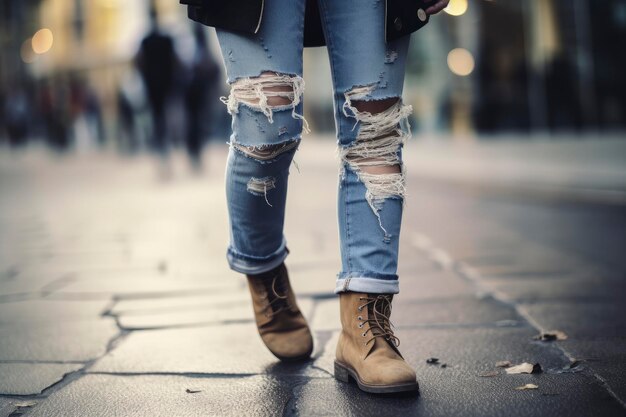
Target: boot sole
<point x="300" y="358"/>
<point x="344" y="373"/>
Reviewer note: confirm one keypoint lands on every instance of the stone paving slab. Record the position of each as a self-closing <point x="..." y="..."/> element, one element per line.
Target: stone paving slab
<point x="30" y="378"/>
<point x="458" y="389"/>
<point x="196" y="316"/>
<point x="469" y="351"/>
<point x="611" y="370"/>
<point x="462" y="395"/>
<point x="6" y="407"/>
<point x="507" y="272"/>
<point x="145" y="286"/>
<point x="315" y="280"/>
<point x="61" y="341"/>
<point x="584" y="319"/>
<point x="166" y="395"/>
<point x="50" y="311"/>
<point x="177" y="303"/>
<point x="21" y="285"/>
<point x="434" y="284"/>
<point x="453" y="312"/>
<point x="538" y="290"/>
<point x="212" y="349"/>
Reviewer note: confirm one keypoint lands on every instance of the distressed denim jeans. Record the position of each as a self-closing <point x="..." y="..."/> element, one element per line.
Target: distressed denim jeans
<point x="265" y="76"/>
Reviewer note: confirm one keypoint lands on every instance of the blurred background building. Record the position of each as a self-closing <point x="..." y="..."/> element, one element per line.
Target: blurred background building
<point x="71" y="73"/>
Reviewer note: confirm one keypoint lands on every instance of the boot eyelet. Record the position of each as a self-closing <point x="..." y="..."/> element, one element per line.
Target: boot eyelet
<point x="359" y="318"/>
<point x="360" y="308"/>
<point x="363" y="334"/>
<point x="361" y="326"/>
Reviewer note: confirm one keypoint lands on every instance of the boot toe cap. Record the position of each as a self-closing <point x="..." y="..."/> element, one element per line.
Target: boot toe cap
<point x="295" y="344"/>
<point x="393" y="372"/>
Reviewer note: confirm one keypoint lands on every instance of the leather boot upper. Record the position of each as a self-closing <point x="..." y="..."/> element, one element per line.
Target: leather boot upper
<point x="282" y="326"/>
<point x="367" y="343"/>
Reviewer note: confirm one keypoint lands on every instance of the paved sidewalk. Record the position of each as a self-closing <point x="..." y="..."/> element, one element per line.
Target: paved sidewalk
<point x="116" y="300"/>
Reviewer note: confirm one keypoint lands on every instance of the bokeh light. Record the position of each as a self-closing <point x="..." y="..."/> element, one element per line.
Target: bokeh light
<point x="456" y="7"/>
<point x="26" y="52"/>
<point x="461" y="62"/>
<point x="42" y="41"/>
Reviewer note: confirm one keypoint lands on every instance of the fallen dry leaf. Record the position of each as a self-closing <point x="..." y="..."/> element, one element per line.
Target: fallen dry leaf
<point x="524" y="368"/>
<point x="489" y="374"/>
<point x="550" y="335"/>
<point x="24" y="404"/>
<point x="527" y="386"/>
<point x="192" y="391"/>
<point x="503" y="364"/>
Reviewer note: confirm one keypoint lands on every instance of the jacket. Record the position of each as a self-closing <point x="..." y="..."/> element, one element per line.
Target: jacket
<point x="402" y="17"/>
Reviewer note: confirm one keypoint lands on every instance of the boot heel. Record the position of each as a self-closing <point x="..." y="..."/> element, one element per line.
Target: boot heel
<point x="341" y="373"/>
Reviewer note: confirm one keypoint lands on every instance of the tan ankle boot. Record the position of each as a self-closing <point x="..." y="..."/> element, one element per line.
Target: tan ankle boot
<point x="367" y="350"/>
<point x="282" y="326"/>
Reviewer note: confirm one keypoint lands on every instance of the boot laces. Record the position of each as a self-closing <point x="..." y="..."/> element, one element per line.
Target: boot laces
<point x="379" y="311"/>
<point x="275" y="288"/>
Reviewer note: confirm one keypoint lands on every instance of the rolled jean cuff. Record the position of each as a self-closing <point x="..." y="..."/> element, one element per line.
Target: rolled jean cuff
<point x="253" y="265"/>
<point x="367" y="285"/>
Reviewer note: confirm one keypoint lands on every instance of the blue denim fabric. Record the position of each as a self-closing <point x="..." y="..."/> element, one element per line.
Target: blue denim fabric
<point x="256" y="188"/>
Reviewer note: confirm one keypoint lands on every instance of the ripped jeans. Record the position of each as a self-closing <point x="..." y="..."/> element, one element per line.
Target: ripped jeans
<point x="265" y="75"/>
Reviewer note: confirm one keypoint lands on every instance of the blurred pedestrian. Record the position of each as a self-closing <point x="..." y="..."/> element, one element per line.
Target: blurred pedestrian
<point x="203" y="78"/>
<point x="17" y="115"/>
<point x="261" y="44"/>
<point x="157" y="62"/>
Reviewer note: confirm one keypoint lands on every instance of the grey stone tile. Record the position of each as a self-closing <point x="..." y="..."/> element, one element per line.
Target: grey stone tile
<point x="434" y="284"/>
<point x="458" y="389"/>
<point x="193" y="316"/>
<point x="178" y="303"/>
<point x="29" y="378"/>
<point x="320" y="279"/>
<point x="457" y="311"/>
<point x="6" y="407"/>
<point x="21" y="285"/>
<point x="581" y="319"/>
<point x="141" y="287"/>
<point x="218" y="349"/>
<point x="9" y="406"/>
<point x="531" y="290"/>
<point x="604" y="355"/>
<point x="187" y="317"/>
<point x="529" y="258"/>
<point x="50" y="310"/>
<point x="325" y="358"/>
<point x="58" y="341"/>
<point x="612" y="371"/>
<point x="462" y="394"/>
<point x="413" y="263"/>
<point x="154" y="396"/>
<point x="468" y="350"/>
<point x="326" y="315"/>
<point x="444" y="311"/>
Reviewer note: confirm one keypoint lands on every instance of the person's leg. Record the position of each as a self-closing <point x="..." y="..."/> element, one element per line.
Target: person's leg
<point x="371" y="120"/>
<point x="372" y="127"/>
<point x="265" y="74"/>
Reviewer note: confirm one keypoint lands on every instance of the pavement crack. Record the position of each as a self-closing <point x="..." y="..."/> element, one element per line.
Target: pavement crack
<point x="290" y="406"/>
<point x="184" y="374"/>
